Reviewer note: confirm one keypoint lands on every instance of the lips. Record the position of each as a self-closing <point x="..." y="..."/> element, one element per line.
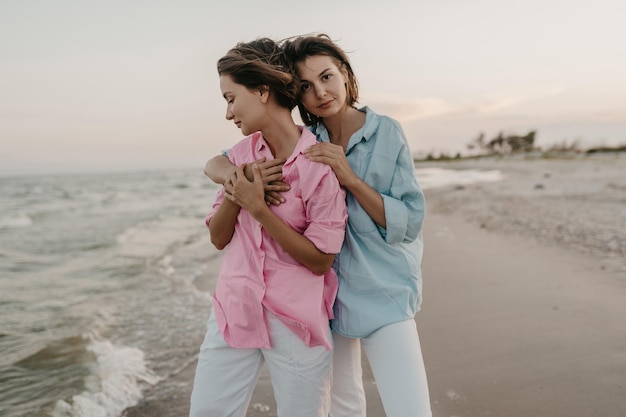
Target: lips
<point x="326" y="104"/>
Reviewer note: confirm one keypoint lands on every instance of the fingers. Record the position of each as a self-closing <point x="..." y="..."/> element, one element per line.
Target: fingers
<point x="278" y="186"/>
<point x="324" y="150"/>
<point x="230" y="184"/>
<point x="272" y="177"/>
<point x="273" y="165"/>
<point x="257" y="173"/>
<point x="324" y="156"/>
<point x="230" y="197"/>
<point x="323" y="146"/>
<point x="272" y="170"/>
<point x="243" y="192"/>
<point x="266" y="175"/>
<point x="228" y="191"/>
<point x="274" y="198"/>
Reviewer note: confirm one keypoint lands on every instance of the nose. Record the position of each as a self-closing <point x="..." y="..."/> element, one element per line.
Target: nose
<point x="320" y="91"/>
<point x="229" y="114"/>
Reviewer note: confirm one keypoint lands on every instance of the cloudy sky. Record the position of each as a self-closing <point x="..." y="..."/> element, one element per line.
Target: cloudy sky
<point x="116" y="85"/>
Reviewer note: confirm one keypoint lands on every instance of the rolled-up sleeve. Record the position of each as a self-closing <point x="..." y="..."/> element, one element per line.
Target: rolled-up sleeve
<point x="404" y="206"/>
<point x="219" y="197"/>
<point x="326" y="213"/>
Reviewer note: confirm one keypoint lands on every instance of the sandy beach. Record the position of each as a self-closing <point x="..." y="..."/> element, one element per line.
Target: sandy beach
<point x="524" y="296"/>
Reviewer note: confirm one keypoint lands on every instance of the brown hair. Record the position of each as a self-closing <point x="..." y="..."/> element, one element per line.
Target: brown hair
<point x="299" y="48"/>
<point x="259" y="64"/>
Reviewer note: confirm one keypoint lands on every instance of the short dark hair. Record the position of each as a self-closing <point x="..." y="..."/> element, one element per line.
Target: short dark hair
<point x="259" y="64"/>
<point x="299" y="48"/>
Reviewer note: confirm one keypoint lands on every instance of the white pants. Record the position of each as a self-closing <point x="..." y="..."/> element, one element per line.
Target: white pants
<point x="225" y="376"/>
<point x="395" y="356"/>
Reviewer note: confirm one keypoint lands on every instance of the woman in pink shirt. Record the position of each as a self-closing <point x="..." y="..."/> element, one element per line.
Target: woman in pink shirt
<point x="276" y="288"/>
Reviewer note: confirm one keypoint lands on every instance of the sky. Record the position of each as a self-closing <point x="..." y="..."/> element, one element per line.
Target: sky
<point x="115" y="85"/>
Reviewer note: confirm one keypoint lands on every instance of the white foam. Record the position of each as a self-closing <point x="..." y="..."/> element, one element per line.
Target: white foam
<point x="439" y="177"/>
<point x="264" y="408"/>
<point x="126" y="235"/>
<point x="120" y="372"/>
<point x="165" y="264"/>
<point x="15" y="221"/>
<point x="151" y="238"/>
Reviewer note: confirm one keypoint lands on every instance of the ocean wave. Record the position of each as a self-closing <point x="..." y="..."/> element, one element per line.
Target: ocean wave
<point x="154" y="238"/>
<point x="119" y="374"/>
<point x="57" y="369"/>
<point x="105" y="259"/>
<point x="429" y="178"/>
<point x="15" y="260"/>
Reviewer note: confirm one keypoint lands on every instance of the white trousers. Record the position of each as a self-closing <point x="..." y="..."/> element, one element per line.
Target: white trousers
<point x="395" y="357"/>
<point x="226" y="377"/>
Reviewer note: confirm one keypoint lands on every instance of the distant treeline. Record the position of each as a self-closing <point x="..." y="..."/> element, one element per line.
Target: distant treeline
<point x="621" y="148"/>
<point x="504" y="145"/>
<point x="516" y="144"/>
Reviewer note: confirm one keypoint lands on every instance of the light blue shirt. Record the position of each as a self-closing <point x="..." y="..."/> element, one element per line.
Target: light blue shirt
<point x="380" y="279"/>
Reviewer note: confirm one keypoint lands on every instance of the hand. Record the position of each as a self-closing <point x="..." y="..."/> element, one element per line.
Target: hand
<point x="335" y="157"/>
<point x="246" y="194"/>
<point x="275" y="198"/>
<point x="271" y="174"/>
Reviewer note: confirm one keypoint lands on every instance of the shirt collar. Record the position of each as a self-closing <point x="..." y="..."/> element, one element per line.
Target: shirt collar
<point x="371" y="123"/>
<point x="260" y="145"/>
<point x="307" y="138"/>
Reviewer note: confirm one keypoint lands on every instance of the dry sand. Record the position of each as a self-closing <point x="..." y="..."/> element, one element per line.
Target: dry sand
<point x="524" y="308"/>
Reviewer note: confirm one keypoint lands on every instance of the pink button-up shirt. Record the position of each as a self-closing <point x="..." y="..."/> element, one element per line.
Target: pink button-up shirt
<point x="257" y="274"/>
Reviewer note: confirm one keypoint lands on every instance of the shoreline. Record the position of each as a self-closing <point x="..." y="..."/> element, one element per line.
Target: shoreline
<point x="575" y="203"/>
<point x="527" y="319"/>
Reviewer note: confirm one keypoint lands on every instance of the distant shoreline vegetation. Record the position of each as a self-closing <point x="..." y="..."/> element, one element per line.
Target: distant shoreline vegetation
<point x="504" y="145"/>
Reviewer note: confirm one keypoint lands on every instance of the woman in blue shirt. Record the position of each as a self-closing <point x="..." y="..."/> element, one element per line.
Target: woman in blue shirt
<point x="378" y="267"/>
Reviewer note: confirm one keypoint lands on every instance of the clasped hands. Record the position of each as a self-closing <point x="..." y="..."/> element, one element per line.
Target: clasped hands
<point x="244" y="187"/>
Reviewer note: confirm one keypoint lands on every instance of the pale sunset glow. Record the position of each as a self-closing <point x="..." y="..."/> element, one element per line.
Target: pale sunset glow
<point x="126" y="85"/>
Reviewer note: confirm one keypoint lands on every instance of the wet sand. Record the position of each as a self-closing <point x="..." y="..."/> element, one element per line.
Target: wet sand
<point x="524" y="297"/>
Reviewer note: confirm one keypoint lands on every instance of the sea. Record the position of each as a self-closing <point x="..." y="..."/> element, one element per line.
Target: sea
<point x="99" y="285"/>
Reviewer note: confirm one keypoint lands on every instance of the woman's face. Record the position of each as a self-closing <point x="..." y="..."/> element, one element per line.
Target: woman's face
<point x="322" y="85"/>
<point x="243" y="106"/>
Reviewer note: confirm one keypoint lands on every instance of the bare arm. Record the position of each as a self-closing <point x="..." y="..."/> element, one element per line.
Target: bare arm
<point x="219" y="169"/>
<point x="335" y="157"/>
<point x="249" y="195"/>
<point x="222" y="224"/>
